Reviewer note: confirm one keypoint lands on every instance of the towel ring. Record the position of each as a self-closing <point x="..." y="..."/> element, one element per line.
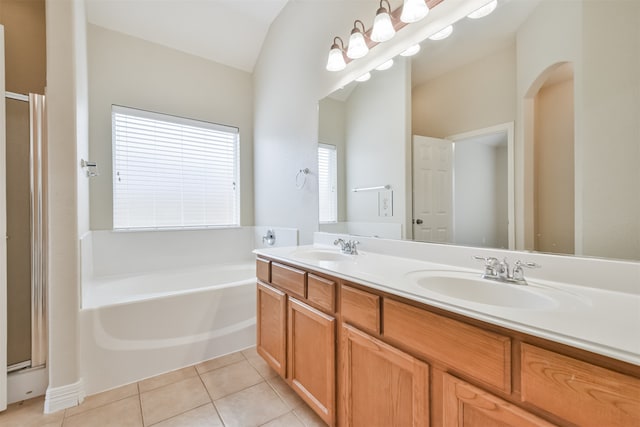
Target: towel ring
<point x="301" y="183"/>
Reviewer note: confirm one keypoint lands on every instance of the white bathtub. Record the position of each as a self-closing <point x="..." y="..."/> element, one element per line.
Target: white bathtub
<point x="139" y="325"/>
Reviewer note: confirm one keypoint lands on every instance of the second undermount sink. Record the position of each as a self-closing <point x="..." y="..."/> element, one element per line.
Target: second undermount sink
<point x="471" y="287"/>
<point x="313" y="254"/>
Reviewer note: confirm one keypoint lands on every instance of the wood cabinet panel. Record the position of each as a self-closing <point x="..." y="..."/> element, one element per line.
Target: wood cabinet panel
<point x="271" y="329"/>
<point x="311" y="361"/>
<point x="484" y="355"/>
<point x="289" y="278"/>
<point x="360" y="308"/>
<point x="322" y="292"/>
<point x="467" y="406"/>
<point x="263" y="270"/>
<point x="577" y="391"/>
<point x="381" y="386"/>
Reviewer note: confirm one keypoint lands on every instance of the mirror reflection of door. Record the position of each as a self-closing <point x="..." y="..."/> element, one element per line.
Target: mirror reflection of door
<point x="432" y="189"/>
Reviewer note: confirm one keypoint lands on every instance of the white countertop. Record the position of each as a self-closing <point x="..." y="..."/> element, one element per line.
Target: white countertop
<point x="602" y="321"/>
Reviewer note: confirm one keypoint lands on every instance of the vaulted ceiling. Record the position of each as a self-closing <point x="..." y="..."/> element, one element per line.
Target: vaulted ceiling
<point x="230" y="32"/>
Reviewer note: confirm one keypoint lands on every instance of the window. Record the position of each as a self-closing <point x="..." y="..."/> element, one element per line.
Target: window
<point x="327" y="183"/>
<point x="172" y="172"/>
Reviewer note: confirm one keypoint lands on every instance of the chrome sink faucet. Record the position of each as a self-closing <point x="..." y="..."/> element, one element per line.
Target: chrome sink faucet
<point x="348" y="247"/>
<point x="500" y="271"/>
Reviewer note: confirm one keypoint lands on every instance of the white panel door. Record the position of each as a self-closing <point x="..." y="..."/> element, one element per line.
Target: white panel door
<point x="432" y="189"/>
<point x="3" y="235"/>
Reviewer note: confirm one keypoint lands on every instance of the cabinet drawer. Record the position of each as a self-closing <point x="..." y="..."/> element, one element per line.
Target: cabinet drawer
<point x="360" y="308"/>
<point x="577" y="391"/>
<point x="485" y="356"/>
<point x="289" y="278"/>
<point x="263" y="270"/>
<point x="322" y="292"/>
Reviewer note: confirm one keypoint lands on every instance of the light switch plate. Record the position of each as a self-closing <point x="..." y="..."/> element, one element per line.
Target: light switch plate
<point x="385" y="203"/>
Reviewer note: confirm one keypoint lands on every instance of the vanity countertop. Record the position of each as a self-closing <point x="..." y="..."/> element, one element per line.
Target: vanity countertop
<point x="602" y="321"/>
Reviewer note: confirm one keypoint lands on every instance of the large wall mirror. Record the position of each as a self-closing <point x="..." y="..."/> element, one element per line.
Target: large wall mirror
<point x="520" y="130"/>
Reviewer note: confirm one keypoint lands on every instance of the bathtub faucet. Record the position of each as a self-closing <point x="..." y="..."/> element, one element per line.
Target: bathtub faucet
<point x="347" y="247"/>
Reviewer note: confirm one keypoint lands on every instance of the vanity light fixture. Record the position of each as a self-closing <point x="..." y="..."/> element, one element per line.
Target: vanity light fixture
<point x="385" y="65"/>
<point x="336" y="62"/>
<point x="382" y="26"/>
<point x="357" y="44"/>
<point x="414" y="11"/>
<point x="363" y="78"/>
<point x="484" y="10"/>
<point x="411" y="50"/>
<point x="442" y="34"/>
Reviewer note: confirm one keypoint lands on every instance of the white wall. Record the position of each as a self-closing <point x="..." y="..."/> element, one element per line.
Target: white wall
<point x="610" y="134"/>
<point x="461" y="101"/>
<point x="160" y="79"/>
<point x="66" y="136"/>
<point x="378" y="144"/>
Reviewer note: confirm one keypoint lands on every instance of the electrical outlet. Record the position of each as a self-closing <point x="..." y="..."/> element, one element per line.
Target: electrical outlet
<point x="385" y="203"/>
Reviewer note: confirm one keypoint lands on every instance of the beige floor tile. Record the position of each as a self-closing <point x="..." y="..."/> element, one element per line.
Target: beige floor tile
<point x="287" y="420"/>
<point x="166" y="379"/>
<point x="219" y="362"/>
<point x="251" y="407"/>
<point x="204" y="416"/>
<point x="285" y="392"/>
<point x="101" y="399"/>
<point x="230" y="379"/>
<point x="258" y="363"/>
<point x="121" y="413"/>
<point x="308" y="417"/>
<point x="29" y="413"/>
<point x="173" y="399"/>
<point x="262" y="367"/>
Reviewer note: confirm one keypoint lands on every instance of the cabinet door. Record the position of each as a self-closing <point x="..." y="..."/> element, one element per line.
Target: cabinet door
<point x="311" y="367"/>
<point x="382" y="386"/>
<point x="469" y="406"/>
<point x="271" y="330"/>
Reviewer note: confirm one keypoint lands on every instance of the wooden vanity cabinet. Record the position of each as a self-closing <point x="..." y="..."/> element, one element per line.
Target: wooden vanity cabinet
<point x="381" y="385"/>
<point x="271" y="341"/>
<point x="296" y="332"/>
<point x="402" y="363"/>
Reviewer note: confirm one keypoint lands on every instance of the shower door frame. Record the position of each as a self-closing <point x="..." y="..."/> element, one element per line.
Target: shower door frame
<point x="3" y="234"/>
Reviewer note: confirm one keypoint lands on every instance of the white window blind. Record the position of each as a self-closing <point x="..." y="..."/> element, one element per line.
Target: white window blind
<point x="328" y="182"/>
<point x="172" y="172"/>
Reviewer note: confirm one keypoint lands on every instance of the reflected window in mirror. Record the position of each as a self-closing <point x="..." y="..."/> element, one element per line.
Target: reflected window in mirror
<point x="327" y="183"/>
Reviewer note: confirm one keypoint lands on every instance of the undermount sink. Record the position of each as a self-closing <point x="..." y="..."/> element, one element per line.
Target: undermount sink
<point x="471" y="287"/>
<point x="321" y="255"/>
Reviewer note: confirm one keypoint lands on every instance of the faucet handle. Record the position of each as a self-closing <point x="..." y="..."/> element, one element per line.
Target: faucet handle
<point x="340" y="242"/>
<point x="526" y="264"/>
<point x="490" y="264"/>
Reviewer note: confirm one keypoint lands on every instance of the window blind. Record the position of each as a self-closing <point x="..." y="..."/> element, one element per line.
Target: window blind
<point x="328" y="182"/>
<point x="172" y="172"/>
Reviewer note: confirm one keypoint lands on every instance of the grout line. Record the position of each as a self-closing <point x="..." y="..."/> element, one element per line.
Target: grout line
<point x="140" y="401"/>
<point x="218" y="413"/>
<point x="177" y="415"/>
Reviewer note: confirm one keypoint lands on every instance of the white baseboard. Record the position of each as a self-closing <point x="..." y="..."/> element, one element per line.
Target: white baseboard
<point x="66" y="396"/>
<point x="27" y="384"/>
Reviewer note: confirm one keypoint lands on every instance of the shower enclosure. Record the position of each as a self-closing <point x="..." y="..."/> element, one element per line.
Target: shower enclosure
<point x="26" y="231"/>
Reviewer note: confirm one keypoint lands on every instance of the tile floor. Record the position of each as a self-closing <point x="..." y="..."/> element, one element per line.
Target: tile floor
<point x="237" y="390"/>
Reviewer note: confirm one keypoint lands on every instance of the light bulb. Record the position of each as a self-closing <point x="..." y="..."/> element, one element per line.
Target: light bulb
<point x="357" y="44"/>
<point x="364" y="77"/>
<point x="411" y="51"/>
<point x="382" y="27"/>
<point x="413" y="11"/>
<point x="336" y="62"/>
<point x="484" y="10"/>
<point x="385" y="65"/>
<point x="442" y="34"/>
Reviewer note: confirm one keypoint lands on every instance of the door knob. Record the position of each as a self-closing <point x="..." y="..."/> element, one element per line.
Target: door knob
<point x="419" y="221"/>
